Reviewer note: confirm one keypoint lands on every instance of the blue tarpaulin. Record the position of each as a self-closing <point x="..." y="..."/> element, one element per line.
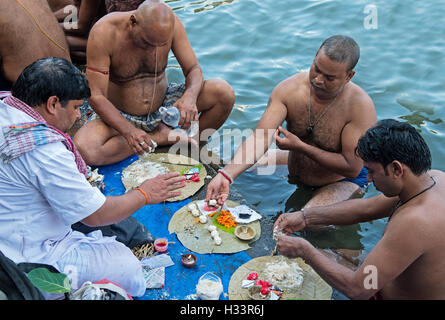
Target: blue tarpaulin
<point x="180" y="282"/>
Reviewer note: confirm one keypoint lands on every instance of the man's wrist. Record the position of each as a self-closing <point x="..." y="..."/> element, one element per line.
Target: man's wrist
<point x="144" y="194"/>
<point x="304" y="213"/>
<point x="299" y="146"/>
<point x="226" y="175"/>
<point x="306" y="248"/>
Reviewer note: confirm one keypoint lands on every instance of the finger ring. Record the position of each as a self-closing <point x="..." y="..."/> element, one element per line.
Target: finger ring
<point x="141" y="143"/>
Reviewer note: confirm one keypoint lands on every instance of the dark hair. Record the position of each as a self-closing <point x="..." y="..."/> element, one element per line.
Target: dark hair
<point x="340" y="49"/>
<point x="393" y="140"/>
<point x="50" y="77"/>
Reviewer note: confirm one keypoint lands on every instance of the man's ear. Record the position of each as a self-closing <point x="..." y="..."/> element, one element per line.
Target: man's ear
<point x="397" y="169"/>
<point x="51" y="104"/>
<point x="350" y="75"/>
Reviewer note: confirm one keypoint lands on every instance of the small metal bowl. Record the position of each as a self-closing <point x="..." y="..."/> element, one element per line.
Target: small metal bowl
<point x="245" y="232"/>
<point x="188" y="260"/>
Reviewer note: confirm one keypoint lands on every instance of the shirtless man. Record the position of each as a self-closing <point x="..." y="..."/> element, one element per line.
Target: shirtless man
<point x="408" y="262"/>
<point x="22" y="42"/>
<point x="84" y="13"/>
<point x="127" y="55"/>
<point x="326" y="114"/>
<point x="122" y="5"/>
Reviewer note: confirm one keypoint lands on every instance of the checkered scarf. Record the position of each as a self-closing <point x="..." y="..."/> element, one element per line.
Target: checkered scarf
<point x="24" y="137"/>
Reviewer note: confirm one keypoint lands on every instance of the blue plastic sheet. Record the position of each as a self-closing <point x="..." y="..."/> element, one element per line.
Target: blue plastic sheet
<point x="180" y="281"/>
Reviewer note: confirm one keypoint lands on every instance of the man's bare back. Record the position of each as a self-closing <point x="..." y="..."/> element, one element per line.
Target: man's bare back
<point x="423" y="220"/>
<point x="22" y="41"/>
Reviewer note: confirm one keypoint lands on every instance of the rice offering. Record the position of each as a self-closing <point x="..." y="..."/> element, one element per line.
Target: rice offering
<point x="143" y="170"/>
<point x="284" y="274"/>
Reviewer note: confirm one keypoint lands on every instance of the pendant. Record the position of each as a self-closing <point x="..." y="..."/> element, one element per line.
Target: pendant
<point x="310" y="129"/>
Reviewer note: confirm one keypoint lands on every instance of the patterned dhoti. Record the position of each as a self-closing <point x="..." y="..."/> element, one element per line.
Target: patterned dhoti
<point x="149" y="122"/>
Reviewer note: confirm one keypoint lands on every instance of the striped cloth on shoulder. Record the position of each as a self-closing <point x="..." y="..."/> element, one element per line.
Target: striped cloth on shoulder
<point x="24" y="137"/>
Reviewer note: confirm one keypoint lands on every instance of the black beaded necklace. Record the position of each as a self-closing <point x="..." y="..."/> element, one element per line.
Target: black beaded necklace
<point x="400" y="203"/>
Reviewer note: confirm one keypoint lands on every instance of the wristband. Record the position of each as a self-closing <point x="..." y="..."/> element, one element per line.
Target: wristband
<point x="143" y="193"/>
<point x="226" y="175"/>
<point x="304" y="217"/>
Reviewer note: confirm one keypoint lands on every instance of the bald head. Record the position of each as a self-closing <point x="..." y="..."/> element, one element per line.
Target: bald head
<point x="157" y="19"/>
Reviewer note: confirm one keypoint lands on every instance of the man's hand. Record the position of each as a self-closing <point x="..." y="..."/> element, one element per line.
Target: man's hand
<point x="290" y="222"/>
<point x="288" y="142"/>
<point x="189" y="111"/>
<point x="139" y="141"/>
<point x="160" y="188"/>
<point x="218" y="189"/>
<point x="292" y="247"/>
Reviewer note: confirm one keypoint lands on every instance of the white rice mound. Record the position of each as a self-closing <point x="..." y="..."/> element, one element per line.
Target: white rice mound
<point x="143" y="170"/>
<point x="284" y="274"/>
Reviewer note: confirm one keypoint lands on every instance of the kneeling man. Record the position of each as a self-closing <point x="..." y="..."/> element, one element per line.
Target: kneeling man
<point x="408" y="262"/>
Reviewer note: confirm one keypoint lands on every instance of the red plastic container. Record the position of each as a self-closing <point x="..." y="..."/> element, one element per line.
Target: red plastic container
<point x="161" y="245"/>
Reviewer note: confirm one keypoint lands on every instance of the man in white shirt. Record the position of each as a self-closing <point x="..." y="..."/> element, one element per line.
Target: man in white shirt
<point x="43" y="190"/>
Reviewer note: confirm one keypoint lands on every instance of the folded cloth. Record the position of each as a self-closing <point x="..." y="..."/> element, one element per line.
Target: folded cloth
<point x="24" y="137"/>
<point x="243" y="214"/>
<point x="146" y="123"/>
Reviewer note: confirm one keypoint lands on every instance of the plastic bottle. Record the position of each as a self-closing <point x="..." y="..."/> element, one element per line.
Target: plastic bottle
<point x="171" y="116"/>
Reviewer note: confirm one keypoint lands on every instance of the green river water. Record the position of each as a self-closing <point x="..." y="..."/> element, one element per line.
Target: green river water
<point x="256" y="44"/>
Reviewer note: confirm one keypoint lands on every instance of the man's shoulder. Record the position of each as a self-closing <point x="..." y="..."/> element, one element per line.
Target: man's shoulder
<point x="296" y="79"/>
<point x="414" y="214"/>
<point x="361" y="108"/>
<point x="358" y="95"/>
<point x="108" y="24"/>
<point x="292" y="84"/>
<point x="435" y="173"/>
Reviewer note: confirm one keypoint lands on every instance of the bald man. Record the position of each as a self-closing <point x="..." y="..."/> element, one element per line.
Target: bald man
<point x="22" y="40"/>
<point x="127" y="54"/>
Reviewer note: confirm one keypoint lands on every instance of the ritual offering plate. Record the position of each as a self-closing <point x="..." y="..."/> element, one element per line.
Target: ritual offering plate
<point x="282" y="277"/>
<point x="205" y="230"/>
<point x="151" y="165"/>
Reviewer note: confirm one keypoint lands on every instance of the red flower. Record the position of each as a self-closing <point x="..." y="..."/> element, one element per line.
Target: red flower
<point x="263" y="284"/>
<point x="264" y="290"/>
<point x="252" y="276"/>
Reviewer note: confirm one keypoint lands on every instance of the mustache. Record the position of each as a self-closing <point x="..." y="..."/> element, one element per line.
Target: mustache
<point x="318" y="87"/>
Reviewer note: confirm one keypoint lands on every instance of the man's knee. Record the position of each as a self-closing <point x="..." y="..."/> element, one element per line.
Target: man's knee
<point x="224" y="93"/>
<point x="227" y="95"/>
<point x="333" y="193"/>
<point x="89" y="152"/>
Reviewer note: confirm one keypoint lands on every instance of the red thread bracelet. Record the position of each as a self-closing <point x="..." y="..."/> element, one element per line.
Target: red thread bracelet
<point x="95" y="70"/>
<point x="225" y="175"/>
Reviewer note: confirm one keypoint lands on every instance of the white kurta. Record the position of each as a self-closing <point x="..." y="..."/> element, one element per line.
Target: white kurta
<point x="42" y="194"/>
